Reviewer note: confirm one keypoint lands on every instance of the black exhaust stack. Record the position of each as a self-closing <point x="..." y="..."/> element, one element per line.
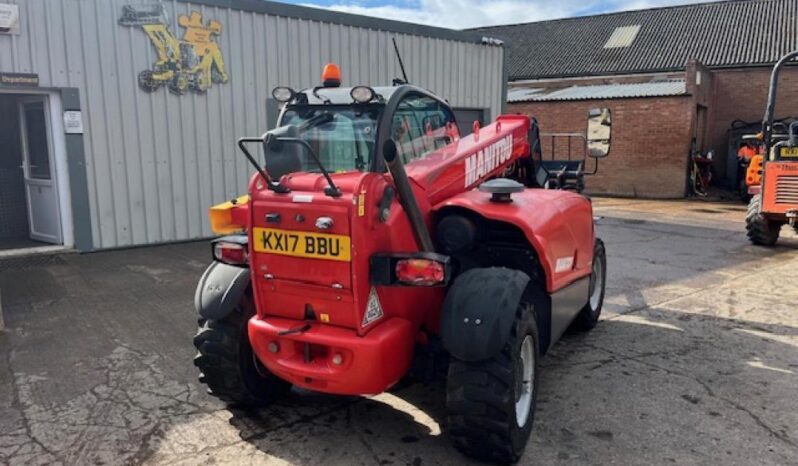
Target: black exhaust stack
<point x="406" y="196"/>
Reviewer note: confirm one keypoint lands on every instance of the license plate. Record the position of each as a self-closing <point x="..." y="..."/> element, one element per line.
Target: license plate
<point x="789" y="151"/>
<point x="302" y="244"/>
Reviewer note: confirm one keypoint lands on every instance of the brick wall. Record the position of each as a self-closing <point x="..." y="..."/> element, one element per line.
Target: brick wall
<point x="650" y="142"/>
<point x="741" y="95"/>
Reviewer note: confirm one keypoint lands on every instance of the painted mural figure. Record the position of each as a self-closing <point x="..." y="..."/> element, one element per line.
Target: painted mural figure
<point x="211" y="65"/>
<point x="191" y="63"/>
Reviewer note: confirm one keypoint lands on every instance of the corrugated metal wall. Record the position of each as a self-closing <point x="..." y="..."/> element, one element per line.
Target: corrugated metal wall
<point x="156" y="161"/>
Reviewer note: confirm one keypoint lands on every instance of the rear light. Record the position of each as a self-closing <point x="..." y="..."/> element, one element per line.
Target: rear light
<point x="420" y="272"/>
<point x="410" y="269"/>
<point x="231" y="250"/>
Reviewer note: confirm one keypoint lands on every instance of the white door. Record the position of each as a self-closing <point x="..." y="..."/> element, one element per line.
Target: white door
<point x="39" y="169"/>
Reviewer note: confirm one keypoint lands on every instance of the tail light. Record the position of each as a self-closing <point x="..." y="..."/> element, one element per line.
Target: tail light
<point x="411" y="269"/>
<point x="420" y="272"/>
<point x="232" y="250"/>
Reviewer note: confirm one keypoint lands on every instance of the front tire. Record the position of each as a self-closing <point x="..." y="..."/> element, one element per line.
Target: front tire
<point x="589" y="315"/>
<point x="227" y="364"/>
<point x="761" y="230"/>
<point x="492" y="403"/>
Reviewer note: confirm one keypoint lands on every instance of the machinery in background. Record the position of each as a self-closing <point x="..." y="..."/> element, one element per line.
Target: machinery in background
<point x="773" y="176"/>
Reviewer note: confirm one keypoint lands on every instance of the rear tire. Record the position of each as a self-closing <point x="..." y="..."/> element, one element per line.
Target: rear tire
<point x="589" y="315"/>
<point x="491" y="403"/>
<point x="761" y="230"/>
<point x="227" y="364"/>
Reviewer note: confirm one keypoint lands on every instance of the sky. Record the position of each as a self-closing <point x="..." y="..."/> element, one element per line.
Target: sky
<point x="461" y="14"/>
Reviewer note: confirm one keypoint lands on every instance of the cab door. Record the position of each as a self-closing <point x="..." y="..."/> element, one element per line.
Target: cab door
<point x="39" y="170"/>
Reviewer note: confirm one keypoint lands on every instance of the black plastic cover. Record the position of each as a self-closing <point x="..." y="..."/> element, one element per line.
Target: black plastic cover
<point x="220" y="289"/>
<point x="479" y="311"/>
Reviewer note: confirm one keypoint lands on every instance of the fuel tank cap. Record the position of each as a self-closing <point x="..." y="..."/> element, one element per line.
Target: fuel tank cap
<point x="501" y="189"/>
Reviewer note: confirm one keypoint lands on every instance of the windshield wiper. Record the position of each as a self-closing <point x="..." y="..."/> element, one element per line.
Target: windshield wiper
<point x="316" y="120"/>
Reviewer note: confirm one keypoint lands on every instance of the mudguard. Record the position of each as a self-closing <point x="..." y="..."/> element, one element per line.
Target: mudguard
<point x="220" y="289"/>
<point x="479" y="311"/>
<point x="557" y="224"/>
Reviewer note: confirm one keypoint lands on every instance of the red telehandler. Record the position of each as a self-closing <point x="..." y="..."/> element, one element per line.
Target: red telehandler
<point x="363" y="254"/>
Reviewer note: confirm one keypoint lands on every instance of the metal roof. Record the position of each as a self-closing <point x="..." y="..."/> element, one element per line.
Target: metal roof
<point x="522" y="94"/>
<point x="721" y="34"/>
<point x="601" y="91"/>
<point x="328" y="16"/>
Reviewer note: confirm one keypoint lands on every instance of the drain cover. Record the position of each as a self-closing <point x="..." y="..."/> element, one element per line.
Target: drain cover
<point x="27" y="262"/>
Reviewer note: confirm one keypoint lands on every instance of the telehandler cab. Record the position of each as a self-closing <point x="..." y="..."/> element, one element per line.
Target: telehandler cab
<point x="772" y="178"/>
<point x="363" y="254"/>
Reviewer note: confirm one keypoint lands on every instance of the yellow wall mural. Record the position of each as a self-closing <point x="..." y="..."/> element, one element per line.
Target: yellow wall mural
<point x="192" y="63"/>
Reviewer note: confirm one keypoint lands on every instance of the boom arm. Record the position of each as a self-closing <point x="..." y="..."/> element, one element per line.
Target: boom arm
<point x="464" y="164"/>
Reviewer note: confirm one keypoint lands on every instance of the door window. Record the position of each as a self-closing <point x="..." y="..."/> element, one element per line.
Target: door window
<point x="421" y="125"/>
<point x="36" y="132"/>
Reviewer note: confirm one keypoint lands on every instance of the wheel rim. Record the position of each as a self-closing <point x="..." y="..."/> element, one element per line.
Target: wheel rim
<point x="596" y="284"/>
<point x="526" y="386"/>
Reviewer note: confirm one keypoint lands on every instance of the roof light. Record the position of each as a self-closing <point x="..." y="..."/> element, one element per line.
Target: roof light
<point x="362" y="94"/>
<point x="283" y="94"/>
<point x="331" y="76"/>
<point x="622" y="37"/>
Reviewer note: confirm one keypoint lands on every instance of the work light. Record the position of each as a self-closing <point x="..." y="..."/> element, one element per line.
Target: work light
<point x="283" y="94"/>
<point x="362" y="94"/>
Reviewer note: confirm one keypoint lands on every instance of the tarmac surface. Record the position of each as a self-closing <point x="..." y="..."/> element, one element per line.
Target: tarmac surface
<point x="695" y="361"/>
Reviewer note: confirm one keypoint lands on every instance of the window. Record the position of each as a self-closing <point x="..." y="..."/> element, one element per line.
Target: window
<point x="342" y="137"/>
<point x="421" y="125"/>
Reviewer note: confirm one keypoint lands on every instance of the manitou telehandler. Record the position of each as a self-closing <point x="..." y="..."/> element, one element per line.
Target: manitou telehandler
<point x="363" y="254"/>
<point x="773" y="178"/>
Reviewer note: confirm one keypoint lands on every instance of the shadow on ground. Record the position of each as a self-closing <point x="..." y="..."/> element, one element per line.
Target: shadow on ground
<point x="694" y="362"/>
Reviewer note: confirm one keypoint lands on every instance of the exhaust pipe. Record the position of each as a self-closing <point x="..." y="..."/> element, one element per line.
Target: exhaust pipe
<point x="406" y="196"/>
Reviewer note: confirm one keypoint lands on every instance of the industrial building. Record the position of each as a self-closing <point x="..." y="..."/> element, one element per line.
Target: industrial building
<point x="118" y="118"/>
<point x="676" y="79"/>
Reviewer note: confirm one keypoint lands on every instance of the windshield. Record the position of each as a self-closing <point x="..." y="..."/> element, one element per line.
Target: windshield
<point x="343" y="137"/>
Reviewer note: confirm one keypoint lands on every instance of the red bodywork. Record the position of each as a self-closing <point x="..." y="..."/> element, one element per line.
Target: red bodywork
<point x="375" y="356"/>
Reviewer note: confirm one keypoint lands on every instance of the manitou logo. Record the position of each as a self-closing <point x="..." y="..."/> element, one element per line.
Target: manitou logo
<point x="487" y="159"/>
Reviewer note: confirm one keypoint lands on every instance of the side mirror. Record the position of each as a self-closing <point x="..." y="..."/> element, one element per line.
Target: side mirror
<point x="282" y="158"/>
<point x="599" y="124"/>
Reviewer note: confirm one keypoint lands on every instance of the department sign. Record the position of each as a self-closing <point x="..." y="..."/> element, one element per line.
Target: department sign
<point x="19" y="79"/>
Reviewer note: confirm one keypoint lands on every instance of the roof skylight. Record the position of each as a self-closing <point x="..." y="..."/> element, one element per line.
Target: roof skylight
<point x="622" y="37"/>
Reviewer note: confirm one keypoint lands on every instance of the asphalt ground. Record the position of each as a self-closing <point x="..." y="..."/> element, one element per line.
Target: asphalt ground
<point x="695" y="361"/>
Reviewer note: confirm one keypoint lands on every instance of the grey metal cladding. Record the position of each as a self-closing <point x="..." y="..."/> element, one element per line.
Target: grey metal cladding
<point x="718" y="34"/>
<point x="156" y="161"/>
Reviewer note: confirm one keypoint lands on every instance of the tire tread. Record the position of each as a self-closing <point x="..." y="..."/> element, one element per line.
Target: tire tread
<point x="481" y="404"/>
<point x="219" y="358"/>
<point x="760" y="230"/>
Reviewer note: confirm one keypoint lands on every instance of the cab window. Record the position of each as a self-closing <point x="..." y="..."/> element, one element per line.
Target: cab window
<point x="342" y="137"/>
<point x="421" y="125"/>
